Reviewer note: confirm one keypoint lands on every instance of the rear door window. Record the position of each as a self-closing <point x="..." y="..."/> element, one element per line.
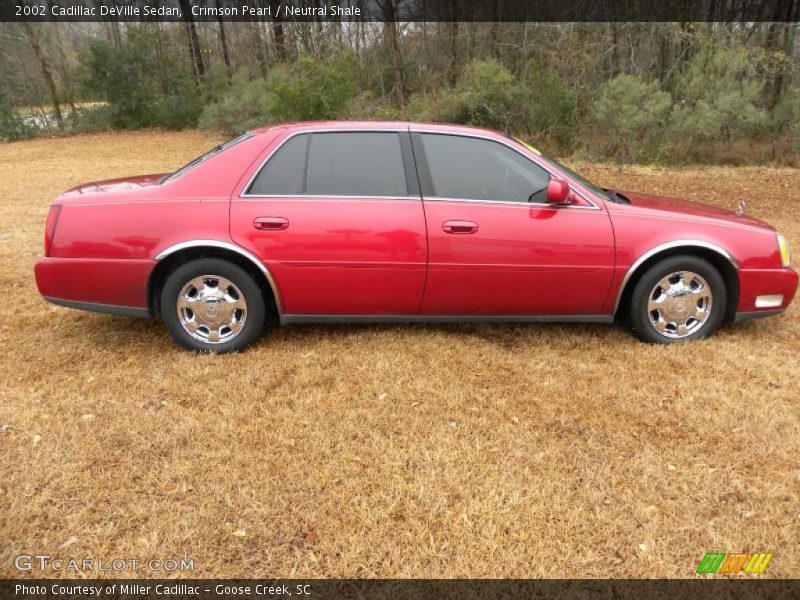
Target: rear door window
<point x="356" y="164"/>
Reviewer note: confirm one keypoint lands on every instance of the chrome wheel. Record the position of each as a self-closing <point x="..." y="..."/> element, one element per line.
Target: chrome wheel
<point x="679" y="304"/>
<point x="211" y="309"/>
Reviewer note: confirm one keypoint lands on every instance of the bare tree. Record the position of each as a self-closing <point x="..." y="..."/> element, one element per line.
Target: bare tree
<point x="33" y="39"/>
<point x="195" y="52"/>
<point x="280" y="42"/>
<point x="392" y="39"/>
<point x="223" y="40"/>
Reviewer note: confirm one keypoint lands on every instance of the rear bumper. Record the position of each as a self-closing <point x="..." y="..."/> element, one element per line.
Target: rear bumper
<point x="764" y="292"/>
<point x="101" y="285"/>
<point x="111" y="309"/>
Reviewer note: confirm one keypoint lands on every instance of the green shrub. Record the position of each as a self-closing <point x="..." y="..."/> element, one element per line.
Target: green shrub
<point x="553" y="103"/>
<point x="718" y="94"/>
<point x="12" y="126"/>
<point x="631" y="116"/>
<point x="784" y="128"/>
<point x="141" y="90"/>
<point x="313" y="89"/>
<point x="92" y="118"/>
<point x="243" y="106"/>
<point x="307" y="90"/>
<point x="488" y="95"/>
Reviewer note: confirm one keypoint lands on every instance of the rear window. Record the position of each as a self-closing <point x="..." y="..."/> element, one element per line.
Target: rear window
<point x="203" y="157"/>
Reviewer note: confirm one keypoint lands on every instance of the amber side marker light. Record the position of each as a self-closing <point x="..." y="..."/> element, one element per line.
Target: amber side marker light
<point x="783" y="246"/>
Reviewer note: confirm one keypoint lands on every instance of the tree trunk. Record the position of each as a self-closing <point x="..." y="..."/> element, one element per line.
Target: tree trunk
<point x="453" y="70"/>
<point x="223" y="41"/>
<point x="64" y="69"/>
<point x="495" y="30"/>
<point x="195" y="52"/>
<point x="112" y="31"/>
<point x="30" y="33"/>
<point x="280" y="42"/>
<point x="392" y="37"/>
<point x="261" y="57"/>
<point x="161" y="60"/>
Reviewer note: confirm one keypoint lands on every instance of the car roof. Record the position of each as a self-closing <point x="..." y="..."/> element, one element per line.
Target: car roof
<point x="373" y="125"/>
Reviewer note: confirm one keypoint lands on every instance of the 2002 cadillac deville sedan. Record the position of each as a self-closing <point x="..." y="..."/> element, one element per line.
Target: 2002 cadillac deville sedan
<point x="368" y="222"/>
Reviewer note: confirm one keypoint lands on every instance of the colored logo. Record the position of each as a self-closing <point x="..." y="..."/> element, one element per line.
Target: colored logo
<point x="719" y="562"/>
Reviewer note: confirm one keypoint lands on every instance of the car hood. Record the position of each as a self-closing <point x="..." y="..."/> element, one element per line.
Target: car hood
<point x="676" y="207"/>
<point x="117" y="185"/>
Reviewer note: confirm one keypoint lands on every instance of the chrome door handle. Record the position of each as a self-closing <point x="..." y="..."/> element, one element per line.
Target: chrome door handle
<point x="270" y="223"/>
<point x="460" y="227"/>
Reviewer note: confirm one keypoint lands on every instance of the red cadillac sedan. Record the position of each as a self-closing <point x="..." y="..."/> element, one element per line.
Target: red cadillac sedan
<point x="385" y="221"/>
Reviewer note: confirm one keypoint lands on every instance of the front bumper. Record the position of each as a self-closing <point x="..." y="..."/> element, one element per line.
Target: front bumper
<point x="765" y="292"/>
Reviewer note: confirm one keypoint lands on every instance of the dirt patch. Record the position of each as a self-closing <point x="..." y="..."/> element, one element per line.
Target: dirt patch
<point x="390" y="451"/>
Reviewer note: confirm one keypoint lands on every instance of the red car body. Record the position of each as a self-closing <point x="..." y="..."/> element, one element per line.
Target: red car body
<point x="346" y="258"/>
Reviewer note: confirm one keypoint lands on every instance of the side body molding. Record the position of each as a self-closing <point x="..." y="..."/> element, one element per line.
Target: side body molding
<point x="233" y="248"/>
<point x="669" y="246"/>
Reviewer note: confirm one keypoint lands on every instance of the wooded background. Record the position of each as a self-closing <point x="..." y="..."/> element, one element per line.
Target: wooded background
<point x="633" y="92"/>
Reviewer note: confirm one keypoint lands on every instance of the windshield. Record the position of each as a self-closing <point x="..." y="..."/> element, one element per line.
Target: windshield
<point x="577" y="177"/>
<point x="215" y="150"/>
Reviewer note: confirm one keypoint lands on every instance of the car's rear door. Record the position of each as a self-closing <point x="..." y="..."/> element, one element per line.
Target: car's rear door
<point x="337" y="218"/>
<point x="496" y="248"/>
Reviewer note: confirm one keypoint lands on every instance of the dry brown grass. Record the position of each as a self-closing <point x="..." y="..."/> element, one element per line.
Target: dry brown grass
<point x="392" y="451"/>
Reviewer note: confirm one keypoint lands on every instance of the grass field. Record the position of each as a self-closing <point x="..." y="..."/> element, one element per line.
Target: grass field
<point x="389" y="451"/>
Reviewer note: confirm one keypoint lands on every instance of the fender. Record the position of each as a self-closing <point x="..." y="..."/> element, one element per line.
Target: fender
<point x="233" y="248"/>
<point x="669" y="246"/>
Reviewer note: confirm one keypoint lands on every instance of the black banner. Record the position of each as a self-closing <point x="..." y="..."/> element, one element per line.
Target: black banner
<point x="406" y="589"/>
<point x="401" y="10"/>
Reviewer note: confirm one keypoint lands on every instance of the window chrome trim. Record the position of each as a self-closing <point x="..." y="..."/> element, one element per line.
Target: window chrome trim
<point x="311" y="197"/>
<point x="669" y="246"/>
<point x="408" y="128"/>
<point x="233" y="248"/>
<point x="512" y="204"/>
<point x="263" y="164"/>
<point x="580" y="191"/>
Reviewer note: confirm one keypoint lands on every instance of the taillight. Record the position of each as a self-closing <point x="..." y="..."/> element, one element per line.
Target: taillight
<point x="50" y="227"/>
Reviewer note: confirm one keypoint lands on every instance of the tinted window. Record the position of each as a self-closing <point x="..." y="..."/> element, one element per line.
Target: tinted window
<point x="356" y="164"/>
<point x="476" y="169"/>
<point x="283" y="173"/>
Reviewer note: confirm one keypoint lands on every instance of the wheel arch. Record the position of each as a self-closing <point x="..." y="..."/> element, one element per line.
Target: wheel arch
<point x="178" y="254"/>
<point x="721" y="259"/>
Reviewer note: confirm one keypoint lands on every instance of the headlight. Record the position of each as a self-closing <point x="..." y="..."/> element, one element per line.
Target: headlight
<point x="783" y="247"/>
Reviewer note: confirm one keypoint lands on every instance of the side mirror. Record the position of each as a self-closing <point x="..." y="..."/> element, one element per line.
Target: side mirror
<point x="557" y="191"/>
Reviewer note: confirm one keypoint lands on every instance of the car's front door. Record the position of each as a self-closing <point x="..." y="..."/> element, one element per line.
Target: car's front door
<point x="337" y="218"/>
<point x="495" y="246"/>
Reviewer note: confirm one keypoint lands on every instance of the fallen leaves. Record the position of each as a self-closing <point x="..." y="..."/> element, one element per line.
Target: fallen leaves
<point x="365" y="450"/>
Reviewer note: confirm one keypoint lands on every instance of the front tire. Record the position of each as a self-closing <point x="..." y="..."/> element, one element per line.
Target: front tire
<point x="679" y="299"/>
<point x="212" y="305"/>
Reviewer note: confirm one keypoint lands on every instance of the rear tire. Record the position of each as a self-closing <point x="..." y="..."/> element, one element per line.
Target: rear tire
<point x="679" y="299"/>
<point x="212" y="305"/>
